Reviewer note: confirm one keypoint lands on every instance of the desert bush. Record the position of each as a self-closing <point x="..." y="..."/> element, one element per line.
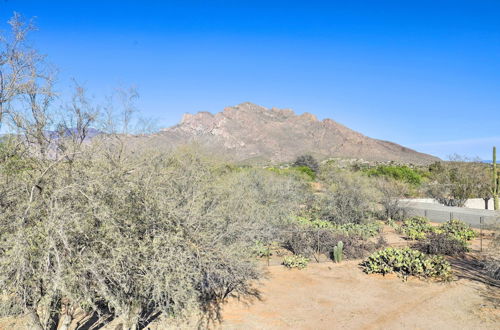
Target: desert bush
<point x="348" y="198"/>
<point x="442" y="243"/>
<point x="295" y="261"/>
<point x="453" y="182"/>
<point x="298" y="173"/>
<point x="307" y="161"/>
<point x="310" y="242"/>
<point x="458" y="230"/>
<point x="491" y="262"/>
<point x="407" y="262"/>
<point x="399" y="173"/>
<point x="391" y="191"/>
<point x="492" y="267"/>
<point x="309" y="237"/>
<point x="91" y="223"/>
<point x="167" y="231"/>
<point x="306" y="170"/>
<point x="416" y="227"/>
<point x="365" y="230"/>
<point x="259" y="249"/>
<point x="356" y="247"/>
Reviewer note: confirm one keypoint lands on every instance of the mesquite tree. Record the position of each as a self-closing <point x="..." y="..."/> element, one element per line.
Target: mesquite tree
<point x="94" y="225"/>
<point x="458" y="180"/>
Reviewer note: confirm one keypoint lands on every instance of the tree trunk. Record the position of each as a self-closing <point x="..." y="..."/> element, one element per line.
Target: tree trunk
<point x="66" y="322"/>
<point x="131" y="318"/>
<point x="35" y="319"/>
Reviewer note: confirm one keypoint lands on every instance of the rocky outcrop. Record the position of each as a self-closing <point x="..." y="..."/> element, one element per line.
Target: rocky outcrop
<point x="251" y="133"/>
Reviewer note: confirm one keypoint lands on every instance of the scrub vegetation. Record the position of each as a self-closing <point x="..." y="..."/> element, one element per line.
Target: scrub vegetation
<point x="92" y="223"/>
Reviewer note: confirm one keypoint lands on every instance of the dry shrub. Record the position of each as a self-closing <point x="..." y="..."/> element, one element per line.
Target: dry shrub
<point x="163" y="232"/>
<point x="492" y="260"/>
<point x="348" y="198"/>
<point x="356" y="247"/>
<point x="87" y="223"/>
<point x="442" y="243"/>
<point x="390" y="193"/>
<point x="310" y="242"/>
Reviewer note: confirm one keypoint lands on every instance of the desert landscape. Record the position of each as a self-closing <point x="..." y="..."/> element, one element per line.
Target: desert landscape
<point x="231" y="165"/>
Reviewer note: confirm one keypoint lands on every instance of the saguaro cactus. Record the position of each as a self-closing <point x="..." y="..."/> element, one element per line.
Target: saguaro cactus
<point x="496" y="180"/>
<point x="338" y="252"/>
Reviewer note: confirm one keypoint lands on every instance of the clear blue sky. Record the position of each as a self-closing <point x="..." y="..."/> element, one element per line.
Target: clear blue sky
<point x="425" y="74"/>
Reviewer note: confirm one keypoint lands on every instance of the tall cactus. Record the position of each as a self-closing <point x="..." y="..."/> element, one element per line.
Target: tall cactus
<point x="496" y="180"/>
<point x="338" y="252"/>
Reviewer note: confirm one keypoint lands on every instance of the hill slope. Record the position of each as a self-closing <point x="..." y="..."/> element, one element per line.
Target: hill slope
<point x="251" y="133"/>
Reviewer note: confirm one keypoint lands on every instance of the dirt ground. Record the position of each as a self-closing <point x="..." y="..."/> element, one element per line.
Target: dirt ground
<point x="340" y="296"/>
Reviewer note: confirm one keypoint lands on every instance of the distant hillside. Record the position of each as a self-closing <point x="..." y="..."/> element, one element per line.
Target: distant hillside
<point x="249" y="133"/>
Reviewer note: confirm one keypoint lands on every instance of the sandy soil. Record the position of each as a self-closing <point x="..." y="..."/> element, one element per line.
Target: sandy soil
<point x="341" y="296"/>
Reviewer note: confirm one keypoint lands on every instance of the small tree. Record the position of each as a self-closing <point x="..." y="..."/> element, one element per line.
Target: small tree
<point x="18" y="63"/>
<point x="458" y="180"/>
<point x="307" y="160"/>
<point x="348" y="197"/>
<point x="391" y="191"/>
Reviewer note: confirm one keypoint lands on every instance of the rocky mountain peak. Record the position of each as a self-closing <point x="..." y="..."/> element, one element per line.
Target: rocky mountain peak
<point x="252" y="133"/>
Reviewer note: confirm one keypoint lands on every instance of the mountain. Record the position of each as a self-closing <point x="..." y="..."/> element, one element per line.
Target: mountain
<point x="248" y="133"/>
<point x="91" y="133"/>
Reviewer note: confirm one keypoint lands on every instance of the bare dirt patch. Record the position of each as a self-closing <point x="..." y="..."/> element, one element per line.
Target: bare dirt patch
<point x="327" y="295"/>
<point x="341" y="296"/>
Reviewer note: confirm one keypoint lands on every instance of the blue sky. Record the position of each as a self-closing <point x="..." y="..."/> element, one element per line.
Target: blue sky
<point x="425" y="74"/>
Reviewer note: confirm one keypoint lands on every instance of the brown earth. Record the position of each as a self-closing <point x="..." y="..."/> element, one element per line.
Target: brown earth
<point x="341" y="296"/>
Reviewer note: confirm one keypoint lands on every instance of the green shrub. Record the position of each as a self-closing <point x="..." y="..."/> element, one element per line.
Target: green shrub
<point x="299" y="173"/>
<point x="407" y="262"/>
<point x="416" y="227"/>
<point x="307" y="171"/>
<point x="442" y="243"/>
<point x="261" y="250"/>
<point x="400" y="173"/>
<point x="316" y="223"/>
<point x="295" y="261"/>
<point x="459" y="230"/>
<point x="365" y="230"/>
<point x="393" y="224"/>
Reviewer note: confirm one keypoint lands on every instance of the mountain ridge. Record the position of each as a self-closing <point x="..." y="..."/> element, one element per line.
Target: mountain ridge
<point x="251" y="133"/>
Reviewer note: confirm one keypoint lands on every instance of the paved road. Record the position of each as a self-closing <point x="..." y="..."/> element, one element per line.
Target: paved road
<point x="441" y="213"/>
